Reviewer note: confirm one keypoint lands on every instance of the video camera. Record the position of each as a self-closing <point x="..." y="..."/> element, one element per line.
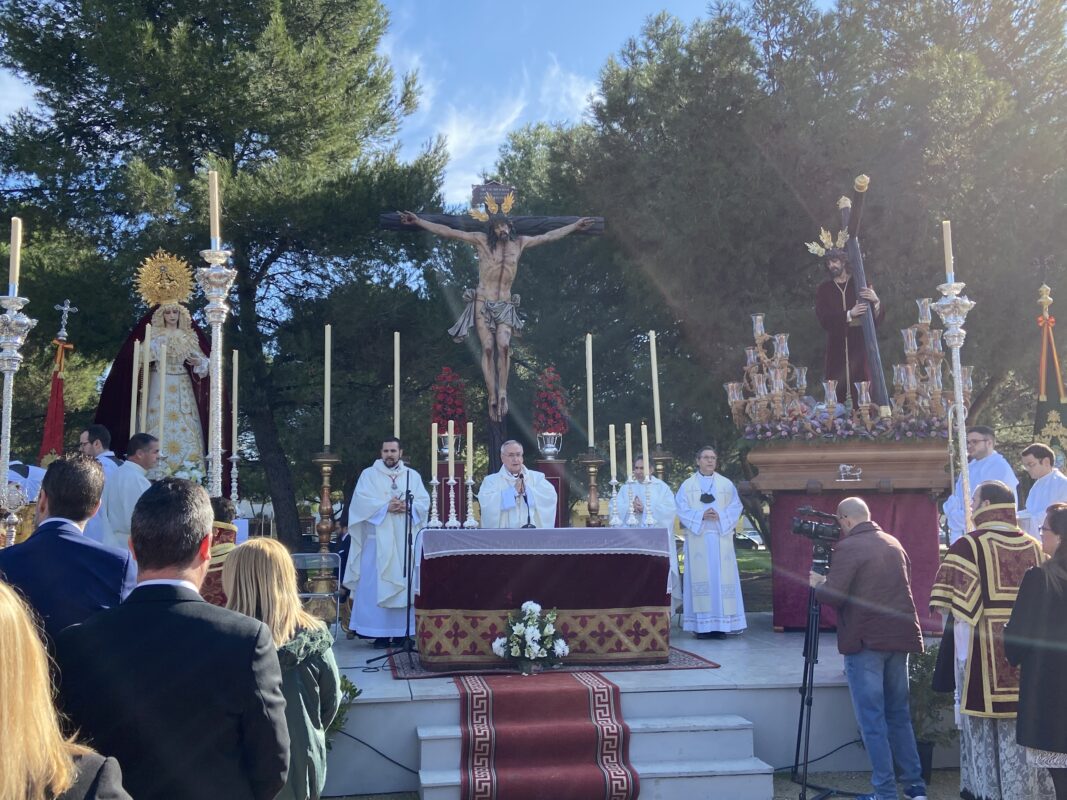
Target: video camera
<point x="823" y="531"/>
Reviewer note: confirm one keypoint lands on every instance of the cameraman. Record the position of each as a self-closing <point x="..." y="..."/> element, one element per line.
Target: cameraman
<point x="869" y="583"/>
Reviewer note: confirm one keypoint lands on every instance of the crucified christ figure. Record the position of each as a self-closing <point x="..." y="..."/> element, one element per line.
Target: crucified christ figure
<point x="492" y="310"/>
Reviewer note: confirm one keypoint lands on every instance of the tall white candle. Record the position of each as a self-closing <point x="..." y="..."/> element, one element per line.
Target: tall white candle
<point x="589" y="387"/>
<point x="16" y="257"/>
<point x="161" y="371"/>
<point x="629" y="451"/>
<point x="135" y="385"/>
<point x="433" y="451"/>
<point x="655" y="387"/>
<point x="327" y="380"/>
<point x="213" y="208"/>
<point x="950" y="266"/>
<point x="470" y="449"/>
<point x="146" y="359"/>
<point x="611" y="450"/>
<point x="233" y="405"/>
<point x="644" y="450"/>
<point x="451" y="449"/>
<point x="396" y="385"/>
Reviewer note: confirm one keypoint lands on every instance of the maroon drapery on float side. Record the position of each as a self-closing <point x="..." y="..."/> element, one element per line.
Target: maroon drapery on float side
<point x="911" y="517"/>
<point x="113" y="411"/>
<point x="52" y="439"/>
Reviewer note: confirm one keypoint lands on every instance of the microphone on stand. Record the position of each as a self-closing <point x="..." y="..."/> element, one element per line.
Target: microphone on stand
<point x="526" y="499"/>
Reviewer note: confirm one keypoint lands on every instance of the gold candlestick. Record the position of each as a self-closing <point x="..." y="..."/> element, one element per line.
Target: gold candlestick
<point x="592" y="462"/>
<point x="323" y="581"/>
<point x="660" y="459"/>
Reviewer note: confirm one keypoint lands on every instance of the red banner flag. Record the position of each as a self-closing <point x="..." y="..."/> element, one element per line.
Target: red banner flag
<point x="52" y="441"/>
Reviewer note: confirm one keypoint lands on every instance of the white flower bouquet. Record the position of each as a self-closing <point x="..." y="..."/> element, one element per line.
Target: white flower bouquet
<point x="532" y="639"/>
<point x="190" y="471"/>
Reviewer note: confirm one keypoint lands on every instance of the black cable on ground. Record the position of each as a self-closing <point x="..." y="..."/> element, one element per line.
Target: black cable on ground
<point x="379" y="752"/>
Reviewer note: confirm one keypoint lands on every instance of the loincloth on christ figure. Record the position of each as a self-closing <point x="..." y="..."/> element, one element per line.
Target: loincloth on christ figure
<point x="494" y="313"/>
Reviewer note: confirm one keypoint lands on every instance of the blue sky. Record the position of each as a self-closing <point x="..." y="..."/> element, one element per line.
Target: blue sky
<point x="487" y="68"/>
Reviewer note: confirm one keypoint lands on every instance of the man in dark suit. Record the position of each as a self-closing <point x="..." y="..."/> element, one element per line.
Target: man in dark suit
<point x="186" y="695"/>
<point x="64" y="575"/>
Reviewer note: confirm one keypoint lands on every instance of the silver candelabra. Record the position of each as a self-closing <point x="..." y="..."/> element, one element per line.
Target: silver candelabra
<point x="631" y="516"/>
<point x="215" y="281"/>
<point x="953" y="308"/>
<point x="233" y="459"/>
<point x="650" y="518"/>
<point x="614" y="520"/>
<point x="435" y="520"/>
<point x="14" y="325"/>
<point x="453" y="520"/>
<point x="470" y="523"/>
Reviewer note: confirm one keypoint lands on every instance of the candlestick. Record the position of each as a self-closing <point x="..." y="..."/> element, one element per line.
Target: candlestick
<point x="215" y="281"/>
<point x="396" y="386"/>
<point x="451" y="452"/>
<point x="433" y="449"/>
<point x="644" y="448"/>
<point x="233" y="405"/>
<point x="655" y="387"/>
<point x="327" y="368"/>
<point x="592" y="463"/>
<point x="16" y="257"/>
<point x="213" y="209"/>
<point x="950" y="265"/>
<point x="631" y="488"/>
<point x="650" y="518"/>
<point x="470" y="522"/>
<point x="611" y="450"/>
<point x="14" y="325"/>
<point x="453" y="520"/>
<point x="323" y="581"/>
<point x="135" y="385"/>
<point x="435" y="520"/>
<point x="629" y="453"/>
<point x="161" y="370"/>
<point x="589" y="387"/>
<point x="146" y="357"/>
<point x="614" y="520"/>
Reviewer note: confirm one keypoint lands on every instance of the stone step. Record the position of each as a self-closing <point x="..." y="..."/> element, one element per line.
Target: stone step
<point x="728" y="736"/>
<point x="736" y="779"/>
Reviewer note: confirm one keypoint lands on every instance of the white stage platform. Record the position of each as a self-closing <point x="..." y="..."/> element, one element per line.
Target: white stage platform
<point x="690" y="730"/>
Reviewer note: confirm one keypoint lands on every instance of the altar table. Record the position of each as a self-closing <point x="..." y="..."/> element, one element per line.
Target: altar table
<point x="610" y="587"/>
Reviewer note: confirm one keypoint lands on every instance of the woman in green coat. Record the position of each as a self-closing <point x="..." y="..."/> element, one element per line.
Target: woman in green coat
<point x="260" y="581"/>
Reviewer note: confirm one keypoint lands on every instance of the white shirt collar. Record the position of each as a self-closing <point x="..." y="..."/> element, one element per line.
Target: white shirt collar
<point x="79" y="525"/>
<point x="167" y="582"/>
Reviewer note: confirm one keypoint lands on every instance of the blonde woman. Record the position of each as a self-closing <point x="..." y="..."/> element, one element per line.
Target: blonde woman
<point x="36" y="761"/>
<point x="260" y="581"/>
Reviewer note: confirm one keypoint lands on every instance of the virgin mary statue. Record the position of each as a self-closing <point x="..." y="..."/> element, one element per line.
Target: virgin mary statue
<point x="177" y="387"/>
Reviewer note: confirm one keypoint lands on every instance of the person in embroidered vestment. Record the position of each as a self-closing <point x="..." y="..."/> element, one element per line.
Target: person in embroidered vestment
<point x="223" y="541"/>
<point x="1036" y="641"/>
<point x="709" y="508"/>
<point x="1050" y="485"/>
<point x="516" y="496"/>
<point x="376" y="521"/>
<point x="984" y="463"/>
<point x="839" y="311"/>
<point x="977" y="584"/>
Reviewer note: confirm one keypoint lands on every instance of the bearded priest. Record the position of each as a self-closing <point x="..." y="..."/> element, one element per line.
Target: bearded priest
<point x="376" y="527"/>
<point x="517" y="497"/>
<point x="709" y="508"/>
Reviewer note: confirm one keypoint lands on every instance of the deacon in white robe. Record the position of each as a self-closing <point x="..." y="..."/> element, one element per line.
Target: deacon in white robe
<point x="125" y="487"/>
<point x="664" y="511"/>
<point x="1050" y="485"/>
<point x="985" y="464"/>
<point x="709" y="508"/>
<point x="376" y="528"/>
<point x="516" y="496"/>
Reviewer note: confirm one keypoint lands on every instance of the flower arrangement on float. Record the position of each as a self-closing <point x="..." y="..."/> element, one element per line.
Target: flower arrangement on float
<point x="532" y="641"/>
<point x="189" y="471"/>
<point x="550" y="412"/>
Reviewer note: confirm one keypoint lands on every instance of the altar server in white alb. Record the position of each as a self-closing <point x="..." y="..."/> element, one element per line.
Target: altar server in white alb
<point x="516" y="497"/>
<point x="663" y="511"/>
<point x="1050" y="485"/>
<point x="709" y="508"/>
<point x="376" y="526"/>
<point x="984" y="464"/>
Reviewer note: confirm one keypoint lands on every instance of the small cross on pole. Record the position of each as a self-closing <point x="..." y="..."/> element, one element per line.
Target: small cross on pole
<point x="67" y="309"/>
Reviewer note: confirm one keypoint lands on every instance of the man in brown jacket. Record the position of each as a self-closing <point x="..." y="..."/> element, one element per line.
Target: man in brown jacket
<point x="869" y="584"/>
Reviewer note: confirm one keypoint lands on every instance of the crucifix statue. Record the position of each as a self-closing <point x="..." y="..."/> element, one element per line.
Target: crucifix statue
<point x="499" y="241"/>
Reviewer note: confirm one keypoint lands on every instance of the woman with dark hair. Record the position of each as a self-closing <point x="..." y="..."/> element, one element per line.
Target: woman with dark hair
<point x="1036" y="641"/>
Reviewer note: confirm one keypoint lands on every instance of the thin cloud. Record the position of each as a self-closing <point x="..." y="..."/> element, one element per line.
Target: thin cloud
<point x="564" y="95"/>
<point x="474" y="136"/>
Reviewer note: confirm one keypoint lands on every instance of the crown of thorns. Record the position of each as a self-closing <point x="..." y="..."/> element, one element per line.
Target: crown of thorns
<point x="492" y="208"/>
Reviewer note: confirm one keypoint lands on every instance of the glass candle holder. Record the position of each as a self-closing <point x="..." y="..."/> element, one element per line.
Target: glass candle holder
<point x="829" y="388"/>
<point x="935" y="340"/>
<point x="924" y="310"/>
<point x="757" y="327"/>
<point x="802" y="379"/>
<point x="760" y="383"/>
<point x="911" y="342"/>
<point x="863" y="392"/>
<point x="781" y="346"/>
<point x="751" y="357"/>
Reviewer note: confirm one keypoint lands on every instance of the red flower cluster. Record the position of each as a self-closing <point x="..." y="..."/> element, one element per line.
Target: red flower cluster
<point x="550" y="403"/>
<point x="449" y="400"/>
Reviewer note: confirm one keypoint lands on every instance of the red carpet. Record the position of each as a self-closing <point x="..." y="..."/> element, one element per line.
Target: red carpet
<point x="550" y="736"/>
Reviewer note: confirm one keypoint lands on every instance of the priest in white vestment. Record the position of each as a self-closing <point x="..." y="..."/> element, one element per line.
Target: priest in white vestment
<point x="376" y="528"/>
<point x="516" y="496"/>
<point x="709" y="508"/>
<point x="664" y="511"/>
<point x="985" y="464"/>
<point x="1050" y="485"/>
